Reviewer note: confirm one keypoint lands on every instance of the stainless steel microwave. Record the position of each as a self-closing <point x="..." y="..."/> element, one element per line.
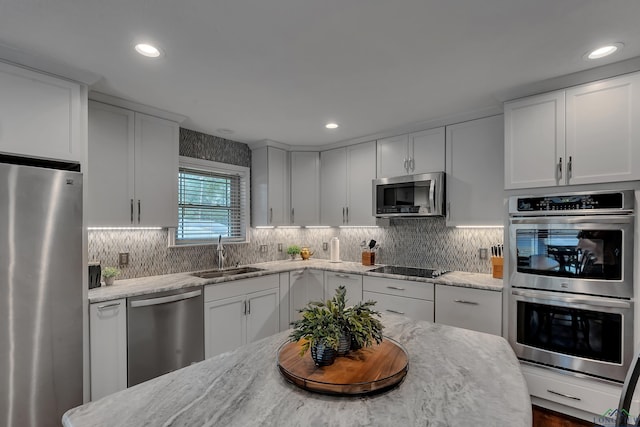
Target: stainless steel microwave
<point x="409" y="196"/>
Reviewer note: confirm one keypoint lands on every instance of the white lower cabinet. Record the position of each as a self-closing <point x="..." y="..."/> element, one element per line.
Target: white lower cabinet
<point x="405" y="297"/>
<point x="476" y="309"/>
<point x="580" y="397"/>
<point x="352" y="283"/>
<point x="240" y="312"/>
<point x="108" y="347"/>
<point x="304" y="286"/>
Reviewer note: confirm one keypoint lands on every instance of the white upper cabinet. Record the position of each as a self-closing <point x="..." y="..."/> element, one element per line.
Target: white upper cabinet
<point x="361" y="171"/>
<point x="475" y="179"/>
<point x="269" y="186"/>
<point x="305" y="188"/>
<point x="40" y="115"/>
<point x="333" y="178"/>
<point x="133" y="168"/>
<point x="583" y="135"/>
<point x="534" y="141"/>
<point x="346" y="175"/>
<point x="415" y="153"/>
<point x="603" y="131"/>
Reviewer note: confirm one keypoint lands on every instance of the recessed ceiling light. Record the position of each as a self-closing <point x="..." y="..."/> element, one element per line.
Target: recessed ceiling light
<point x="331" y="125"/>
<point x="148" y="50"/>
<point x="224" y="131"/>
<point x="603" y="51"/>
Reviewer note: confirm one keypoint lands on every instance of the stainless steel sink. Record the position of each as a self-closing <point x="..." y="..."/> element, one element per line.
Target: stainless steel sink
<point x="211" y="274"/>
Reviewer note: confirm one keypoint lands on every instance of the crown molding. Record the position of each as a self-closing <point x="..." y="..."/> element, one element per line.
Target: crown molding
<point x="130" y="105"/>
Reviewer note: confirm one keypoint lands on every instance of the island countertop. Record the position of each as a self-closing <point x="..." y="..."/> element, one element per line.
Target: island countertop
<point x="456" y="377"/>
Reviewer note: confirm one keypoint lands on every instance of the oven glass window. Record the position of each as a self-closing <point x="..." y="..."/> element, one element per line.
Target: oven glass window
<point x="583" y="333"/>
<point x="588" y="254"/>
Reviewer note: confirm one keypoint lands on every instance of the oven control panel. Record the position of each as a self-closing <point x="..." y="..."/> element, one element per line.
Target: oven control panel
<point x="572" y="203"/>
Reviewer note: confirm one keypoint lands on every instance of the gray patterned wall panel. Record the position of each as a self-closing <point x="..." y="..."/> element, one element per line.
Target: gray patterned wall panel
<point x="209" y="147"/>
<point x="411" y="242"/>
<point x="423" y="242"/>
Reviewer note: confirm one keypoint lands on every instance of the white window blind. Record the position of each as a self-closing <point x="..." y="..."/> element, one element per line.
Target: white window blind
<point x="211" y="203"/>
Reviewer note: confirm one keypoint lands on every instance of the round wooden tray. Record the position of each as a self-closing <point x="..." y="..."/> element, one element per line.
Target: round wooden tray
<point x="368" y="370"/>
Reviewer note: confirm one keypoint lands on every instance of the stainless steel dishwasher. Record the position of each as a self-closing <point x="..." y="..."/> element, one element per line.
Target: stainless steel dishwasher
<point x="165" y="332"/>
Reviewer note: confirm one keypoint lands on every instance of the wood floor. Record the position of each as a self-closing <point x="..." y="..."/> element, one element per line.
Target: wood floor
<point x="546" y="418"/>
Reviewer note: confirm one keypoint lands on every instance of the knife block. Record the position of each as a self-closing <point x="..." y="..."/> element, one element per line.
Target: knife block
<point x="497" y="263"/>
<point x="368" y="258"/>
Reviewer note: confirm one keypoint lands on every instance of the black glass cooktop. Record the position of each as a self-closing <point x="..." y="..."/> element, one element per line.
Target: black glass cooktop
<point x="409" y="271"/>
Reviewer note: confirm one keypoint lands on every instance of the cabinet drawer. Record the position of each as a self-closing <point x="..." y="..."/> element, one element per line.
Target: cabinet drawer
<point x="583" y="394"/>
<point x="352" y="283"/>
<point x="404" y="288"/>
<point x="413" y="308"/>
<point x="240" y="287"/>
<point x="476" y="309"/>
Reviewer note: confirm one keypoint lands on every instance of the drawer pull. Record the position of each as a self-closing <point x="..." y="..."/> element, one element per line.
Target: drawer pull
<point x="344" y="276"/>
<point x="568" y="396"/>
<point x="393" y="311"/>
<point x="461" y="301"/>
<point x="104" y="307"/>
<point x="396" y="288"/>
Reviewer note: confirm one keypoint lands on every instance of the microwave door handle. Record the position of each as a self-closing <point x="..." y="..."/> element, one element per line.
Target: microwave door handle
<point x="432" y="195"/>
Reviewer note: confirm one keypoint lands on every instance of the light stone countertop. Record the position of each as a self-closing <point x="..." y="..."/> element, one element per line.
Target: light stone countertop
<point x="456" y="377"/>
<point x="147" y="285"/>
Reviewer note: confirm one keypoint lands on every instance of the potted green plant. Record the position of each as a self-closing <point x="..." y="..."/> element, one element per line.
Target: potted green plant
<point x="321" y="331"/>
<point x="109" y="274"/>
<point x="363" y="325"/>
<point x="333" y="325"/>
<point x="293" y="250"/>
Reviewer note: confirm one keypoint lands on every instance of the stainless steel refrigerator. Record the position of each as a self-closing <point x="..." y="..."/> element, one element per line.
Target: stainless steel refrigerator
<point x="40" y="292"/>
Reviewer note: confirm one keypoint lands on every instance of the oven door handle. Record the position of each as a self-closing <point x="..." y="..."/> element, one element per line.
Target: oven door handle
<point x="591" y="219"/>
<point x="593" y="301"/>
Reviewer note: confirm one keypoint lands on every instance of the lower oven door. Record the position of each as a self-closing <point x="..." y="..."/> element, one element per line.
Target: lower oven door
<point x="579" y="333"/>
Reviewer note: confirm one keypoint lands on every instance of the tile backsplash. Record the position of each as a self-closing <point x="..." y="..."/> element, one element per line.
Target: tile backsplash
<point x="419" y="242"/>
<point x="424" y="242"/>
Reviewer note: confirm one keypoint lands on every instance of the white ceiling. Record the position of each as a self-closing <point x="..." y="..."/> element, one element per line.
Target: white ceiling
<point x="280" y="69"/>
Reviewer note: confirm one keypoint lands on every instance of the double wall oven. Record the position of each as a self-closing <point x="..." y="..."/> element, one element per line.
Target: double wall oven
<point x="571" y="276"/>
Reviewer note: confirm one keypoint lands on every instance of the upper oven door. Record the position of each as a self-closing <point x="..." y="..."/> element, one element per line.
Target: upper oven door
<point x="579" y="254"/>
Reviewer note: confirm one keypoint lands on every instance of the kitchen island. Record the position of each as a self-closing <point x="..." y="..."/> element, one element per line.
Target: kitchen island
<point x="456" y="377"/>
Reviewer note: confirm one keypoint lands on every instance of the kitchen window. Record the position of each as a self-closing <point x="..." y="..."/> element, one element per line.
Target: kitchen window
<point x="212" y="201"/>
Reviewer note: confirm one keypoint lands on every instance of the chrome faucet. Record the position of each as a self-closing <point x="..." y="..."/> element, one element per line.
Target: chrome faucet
<point x="220" y="253"/>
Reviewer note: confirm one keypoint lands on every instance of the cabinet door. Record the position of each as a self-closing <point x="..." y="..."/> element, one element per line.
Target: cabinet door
<point x="426" y="151"/>
<point x="534" y="137"/>
<point x="263" y="317"/>
<point x="224" y="325"/>
<point x="468" y="308"/>
<point x="361" y="173"/>
<point x="278" y="187"/>
<point x="305" y="286"/>
<point x="413" y="308"/>
<point x="352" y="283"/>
<point x="108" y="347"/>
<point x="475" y="179"/>
<point x="156" y="172"/>
<point x="110" y="171"/>
<point x="333" y="194"/>
<point x="40" y="115"/>
<point x="603" y="131"/>
<point x="393" y="156"/>
<point x="305" y="188"/>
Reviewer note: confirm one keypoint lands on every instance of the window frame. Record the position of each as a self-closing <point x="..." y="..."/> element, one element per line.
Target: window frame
<point x="210" y="166"/>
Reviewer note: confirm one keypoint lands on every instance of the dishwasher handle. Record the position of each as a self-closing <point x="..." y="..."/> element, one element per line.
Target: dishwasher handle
<point x="164" y="300"/>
